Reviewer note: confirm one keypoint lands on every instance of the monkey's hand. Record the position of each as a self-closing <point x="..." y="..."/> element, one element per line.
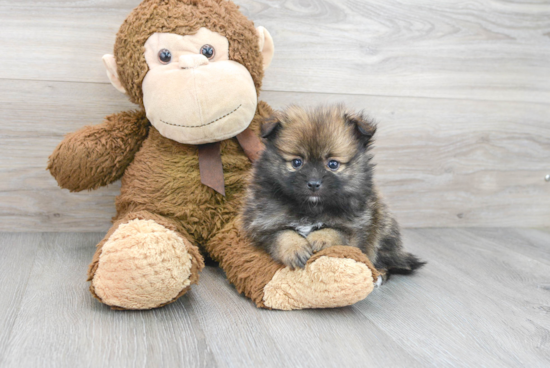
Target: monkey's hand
<point x="95" y="156"/>
<point x="291" y="249"/>
<point x="324" y="238"/>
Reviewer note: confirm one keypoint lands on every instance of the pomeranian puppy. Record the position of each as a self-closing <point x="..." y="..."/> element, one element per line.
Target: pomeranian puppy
<point x="313" y="188"/>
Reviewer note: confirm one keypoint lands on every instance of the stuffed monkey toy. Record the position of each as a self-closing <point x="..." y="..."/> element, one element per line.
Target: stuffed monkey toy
<point x="194" y="68"/>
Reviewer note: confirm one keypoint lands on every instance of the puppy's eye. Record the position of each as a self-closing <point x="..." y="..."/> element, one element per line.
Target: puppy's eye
<point x="333" y="165"/>
<point x="165" y="56"/>
<point x="297" y="163"/>
<point x="208" y="51"/>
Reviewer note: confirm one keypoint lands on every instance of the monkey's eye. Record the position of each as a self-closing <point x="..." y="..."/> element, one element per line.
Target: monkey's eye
<point x="208" y="51"/>
<point x="333" y="165"/>
<point x="165" y="56"/>
<point x="297" y="163"/>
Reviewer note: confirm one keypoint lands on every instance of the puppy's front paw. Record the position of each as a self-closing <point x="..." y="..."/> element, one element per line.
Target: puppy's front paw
<point x="325" y="238"/>
<point x="292" y="249"/>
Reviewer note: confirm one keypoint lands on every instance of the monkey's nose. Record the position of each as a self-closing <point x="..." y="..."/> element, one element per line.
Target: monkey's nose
<point x="192" y="61"/>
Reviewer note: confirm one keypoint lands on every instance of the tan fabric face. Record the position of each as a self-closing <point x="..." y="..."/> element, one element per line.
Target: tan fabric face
<point x="185" y="45"/>
<point x="141" y="266"/>
<point x="194" y="100"/>
<point x="325" y="283"/>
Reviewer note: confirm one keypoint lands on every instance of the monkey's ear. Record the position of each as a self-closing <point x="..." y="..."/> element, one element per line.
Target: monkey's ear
<point x="110" y="64"/>
<point x="267" y="48"/>
<point x="364" y="127"/>
<point x="269" y="127"/>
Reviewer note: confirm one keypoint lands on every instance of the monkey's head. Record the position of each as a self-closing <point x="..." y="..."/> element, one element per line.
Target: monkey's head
<point x="195" y="66"/>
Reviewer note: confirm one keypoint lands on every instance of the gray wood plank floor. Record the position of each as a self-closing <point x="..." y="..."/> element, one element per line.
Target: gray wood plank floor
<point x="482" y="301"/>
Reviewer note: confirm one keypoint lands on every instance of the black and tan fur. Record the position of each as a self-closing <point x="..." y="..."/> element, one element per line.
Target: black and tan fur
<point x="295" y="212"/>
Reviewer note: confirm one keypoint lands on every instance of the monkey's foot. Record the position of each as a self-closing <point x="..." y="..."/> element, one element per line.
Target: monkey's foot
<point x="335" y="277"/>
<point x="142" y="265"/>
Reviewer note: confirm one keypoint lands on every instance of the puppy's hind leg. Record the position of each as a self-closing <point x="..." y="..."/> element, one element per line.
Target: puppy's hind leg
<point x="391" y="258"/>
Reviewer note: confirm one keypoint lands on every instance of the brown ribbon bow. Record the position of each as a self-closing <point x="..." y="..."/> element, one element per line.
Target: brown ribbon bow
<point x="210" y="159"/>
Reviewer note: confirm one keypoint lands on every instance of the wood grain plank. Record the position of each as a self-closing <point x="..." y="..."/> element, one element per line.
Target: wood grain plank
<point x="335" y="338"/>
<point x="80" y="4"/>
<point x="231" y="325"/>
<point x="456" y="162"/>
<point x="18" y="252"/>
<point x="489" y="50"/>
<point x="61" y="325"/>
<point x="482" y="300"/>
<point x="440" y="162"/>
<point x="476" y="303"/>
<point x="326" y="338"/>
<point x="526" y="242"/>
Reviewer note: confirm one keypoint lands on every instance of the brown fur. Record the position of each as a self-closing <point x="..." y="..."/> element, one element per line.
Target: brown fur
<point x="164" y="178"/>
<point x="344" y="208"/>
<point x="340" y="251"/>
<point x="160" y="177"/>
<point x="290" y="246"/>
<point x="197" y="263"/>
<point x="183" y="17"/>
<point x="325" y="238"/>
<point x="247" y="267"/>
<point x="95" y="156"/>
<point x="302" y="135"/>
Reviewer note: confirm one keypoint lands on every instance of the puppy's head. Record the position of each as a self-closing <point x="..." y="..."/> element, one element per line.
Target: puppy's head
<point x="317" y="155"/>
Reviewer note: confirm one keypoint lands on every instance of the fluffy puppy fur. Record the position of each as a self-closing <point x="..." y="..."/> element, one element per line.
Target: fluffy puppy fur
<point x="313" y="188"/>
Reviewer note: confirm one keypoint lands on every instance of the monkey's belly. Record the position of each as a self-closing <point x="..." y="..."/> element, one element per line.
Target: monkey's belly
<point x="164" y="178"/>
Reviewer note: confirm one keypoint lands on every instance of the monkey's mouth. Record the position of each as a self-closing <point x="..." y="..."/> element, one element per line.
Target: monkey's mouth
<point x="202" y="125"/>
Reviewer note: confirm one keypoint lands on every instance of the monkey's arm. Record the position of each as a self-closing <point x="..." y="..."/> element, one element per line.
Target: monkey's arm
<point x="95" y="156"/>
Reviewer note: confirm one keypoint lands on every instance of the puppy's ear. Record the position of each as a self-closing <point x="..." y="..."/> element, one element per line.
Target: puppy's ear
<point x="364" y="127"/>
<point x="270" y="127"/>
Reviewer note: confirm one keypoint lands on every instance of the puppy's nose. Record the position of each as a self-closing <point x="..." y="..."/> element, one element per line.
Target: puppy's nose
<point x="314" y="185"/>
<point x="192" y="61"/>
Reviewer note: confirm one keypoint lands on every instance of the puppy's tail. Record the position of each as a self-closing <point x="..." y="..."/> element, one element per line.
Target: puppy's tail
<point x="407" y="265"/>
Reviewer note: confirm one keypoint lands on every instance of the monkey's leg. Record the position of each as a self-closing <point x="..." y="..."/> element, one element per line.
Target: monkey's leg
<point x="145" y="261"/>
<point x="334" y="277"/>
